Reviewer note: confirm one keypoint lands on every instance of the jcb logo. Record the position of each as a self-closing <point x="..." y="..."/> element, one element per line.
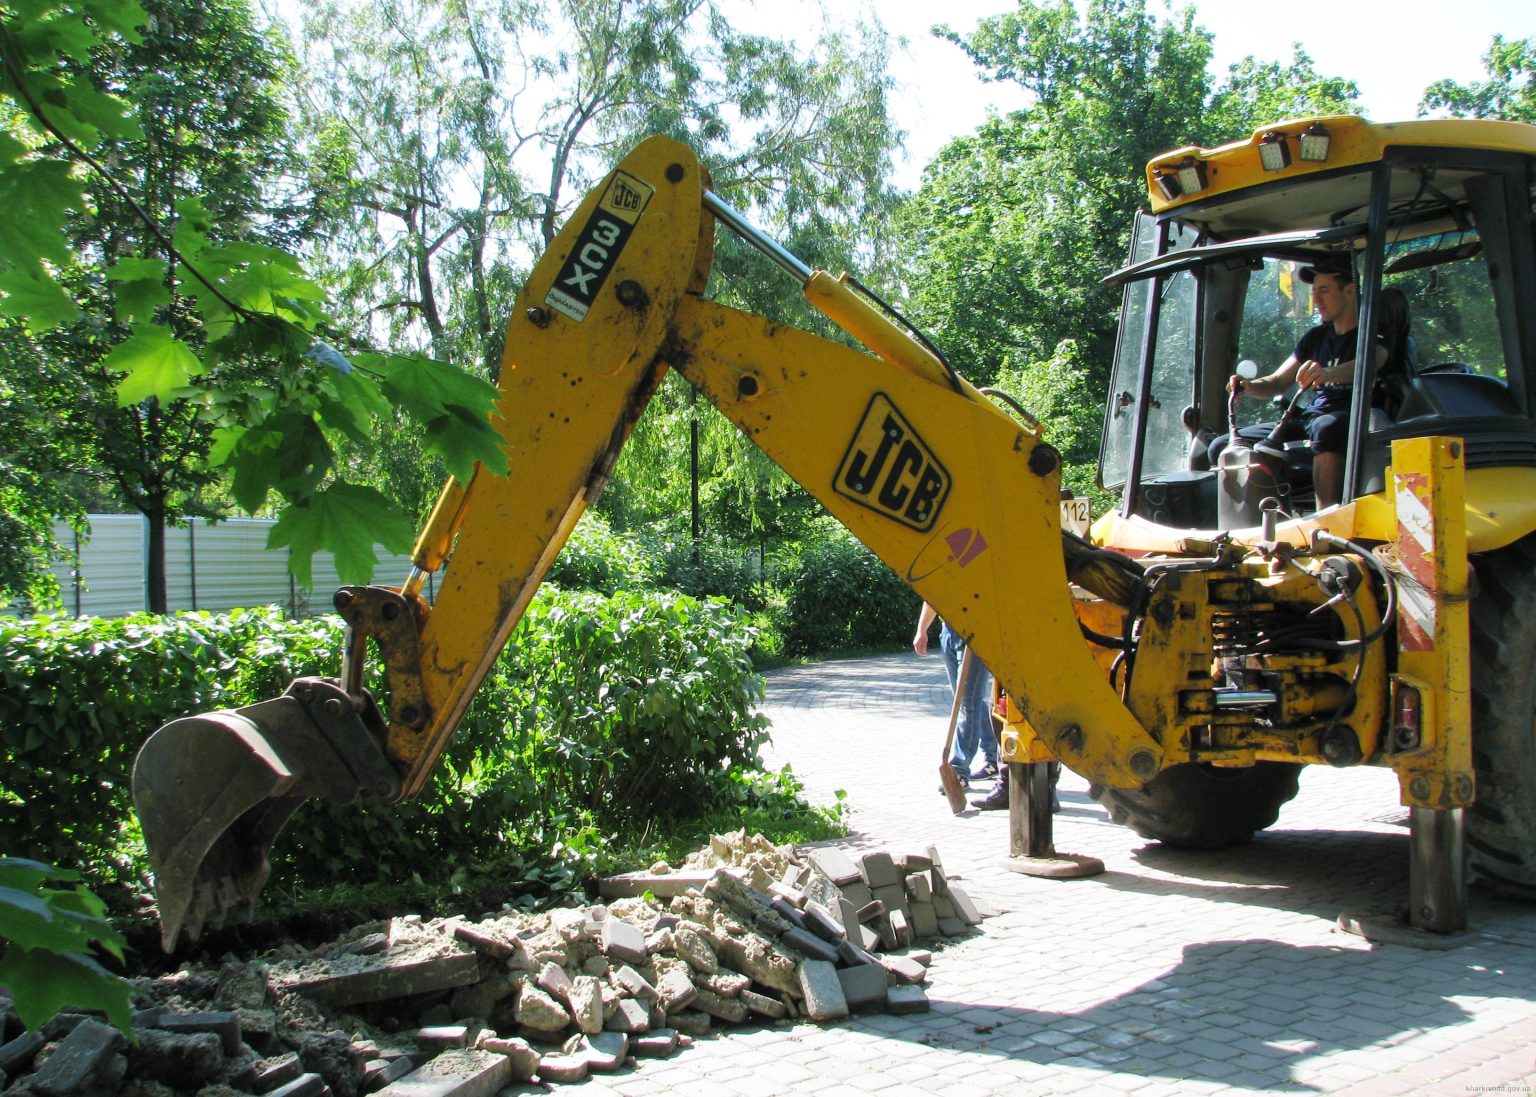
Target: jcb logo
<point x="625" y="197"/>
<point x="889" y="469"/>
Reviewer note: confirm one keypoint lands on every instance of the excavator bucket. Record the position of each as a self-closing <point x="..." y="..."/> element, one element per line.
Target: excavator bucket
<point x="213" y="791"/>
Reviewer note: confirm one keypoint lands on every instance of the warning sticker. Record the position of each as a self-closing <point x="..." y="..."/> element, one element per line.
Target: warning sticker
<point x="598" y="246"/>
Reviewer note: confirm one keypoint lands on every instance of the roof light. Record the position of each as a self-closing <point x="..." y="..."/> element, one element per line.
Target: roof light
<point x="1168" y="183"/>
<point x="1191" y="175"/>
<point x="1314" y="143"/>
<point x="1274" y="153"/>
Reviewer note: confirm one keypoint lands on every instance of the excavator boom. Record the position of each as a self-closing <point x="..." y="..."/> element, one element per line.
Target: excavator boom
<point x="958" y="497"/>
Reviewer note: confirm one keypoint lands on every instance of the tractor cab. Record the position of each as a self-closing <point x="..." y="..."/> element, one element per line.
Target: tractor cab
<point x="1432" y="219"/>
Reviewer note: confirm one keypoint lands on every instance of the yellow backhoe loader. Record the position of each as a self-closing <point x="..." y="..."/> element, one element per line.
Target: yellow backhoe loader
<point x="1206" y="639"/>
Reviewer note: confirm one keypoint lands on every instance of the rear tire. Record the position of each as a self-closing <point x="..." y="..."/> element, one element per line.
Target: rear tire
<point x="1501" y="825"/>
<point x="1198" y="806"/>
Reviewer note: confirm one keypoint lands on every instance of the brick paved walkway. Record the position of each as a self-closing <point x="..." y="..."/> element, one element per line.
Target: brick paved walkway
<point x="1173" y="973"/>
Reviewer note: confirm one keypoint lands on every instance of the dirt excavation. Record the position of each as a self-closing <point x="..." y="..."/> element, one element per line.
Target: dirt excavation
<point x="744" y="933"/>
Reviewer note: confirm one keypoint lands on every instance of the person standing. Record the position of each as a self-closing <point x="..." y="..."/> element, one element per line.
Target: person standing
<point x="974" y="729"/>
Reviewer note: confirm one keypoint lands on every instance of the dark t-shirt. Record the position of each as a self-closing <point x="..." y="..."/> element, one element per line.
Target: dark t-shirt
<point x="1328" y="347"/>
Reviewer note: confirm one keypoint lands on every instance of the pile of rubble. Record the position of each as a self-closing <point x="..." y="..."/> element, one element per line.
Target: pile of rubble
<point x="745" y="932"/>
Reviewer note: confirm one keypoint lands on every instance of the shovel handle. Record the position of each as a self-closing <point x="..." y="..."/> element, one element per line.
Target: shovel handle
<point x="954" y="709"/>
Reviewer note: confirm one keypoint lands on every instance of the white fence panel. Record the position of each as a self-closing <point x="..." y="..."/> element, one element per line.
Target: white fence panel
<point x="215" y="567"/>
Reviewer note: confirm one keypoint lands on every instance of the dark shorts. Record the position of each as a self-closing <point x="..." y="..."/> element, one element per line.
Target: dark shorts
<point x="1328" y="430"/>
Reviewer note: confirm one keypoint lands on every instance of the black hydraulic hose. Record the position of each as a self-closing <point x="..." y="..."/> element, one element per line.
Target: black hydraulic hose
<point x="917" y="332"/>
<point x="1389" y="615"/>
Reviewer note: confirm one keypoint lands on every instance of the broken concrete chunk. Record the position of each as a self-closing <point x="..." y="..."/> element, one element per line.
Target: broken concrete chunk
<point x="833" y="863"/>
<point x="762" y="961"/>
<point x="521" y="1057"/>
<point x="878" y="869"/>
<point x="586" y="1002"/>
<point x="725" y="982"/>
<point x="675" y="990"/>
<point x="906" y="999"/>
<point x="86" y="1059"/>
<point x="484" y="939"/>
<point x="823" y="992"/>
<point x="184" y="1060"/>
<point x="691" y="943"/>
<point x="538" y="1011"/>
<point x="661" y="885"/>
<point x="732" y="1010"/>
<point x="623" y="941"/>
<point x="965" y="909"/>
<point x="555" y="980"/>
<point x="376" y="978"/>
<point x="863" y="986"/>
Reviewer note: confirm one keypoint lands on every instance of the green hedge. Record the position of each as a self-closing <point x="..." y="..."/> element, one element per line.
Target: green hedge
<point x="603" y="710"/>
<point x="841" y="596"/>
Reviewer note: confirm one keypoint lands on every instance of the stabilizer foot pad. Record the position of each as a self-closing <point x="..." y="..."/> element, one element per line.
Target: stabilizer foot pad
<point x="1063" y="866"/>
<point x="1386" y="928"/>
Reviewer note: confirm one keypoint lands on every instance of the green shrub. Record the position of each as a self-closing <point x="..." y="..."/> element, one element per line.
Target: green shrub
<point x="603" y="711"/>
<point x="839" y="595"/>
<point x="709" y="568"/>
<point x="596" y="558"/>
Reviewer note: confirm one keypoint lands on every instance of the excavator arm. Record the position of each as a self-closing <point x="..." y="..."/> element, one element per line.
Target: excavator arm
<point x="958" y="497"/>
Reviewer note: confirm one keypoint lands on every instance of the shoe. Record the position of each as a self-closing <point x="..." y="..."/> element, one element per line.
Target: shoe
<point x="996" y="800"/>
<point x="988" y="772"/>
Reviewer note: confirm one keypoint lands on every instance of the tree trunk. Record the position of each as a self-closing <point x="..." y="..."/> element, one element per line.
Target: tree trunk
<point x="155" y="599"/>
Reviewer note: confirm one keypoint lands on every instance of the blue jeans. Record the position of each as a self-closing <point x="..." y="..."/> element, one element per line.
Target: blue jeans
<point x="975" y="726"/>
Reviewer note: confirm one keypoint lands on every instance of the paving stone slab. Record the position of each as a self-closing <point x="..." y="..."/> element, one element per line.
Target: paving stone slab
<point x="864" y="986"/>
<point x="808" y="944"/>
<point x="822" y="991"/>
<point x="836" y="865"/>
<point x="878" y="869"/>
<point x="470" y="1072"/>
<point x="377" y="979"/>
<point x="82" y="1060"/>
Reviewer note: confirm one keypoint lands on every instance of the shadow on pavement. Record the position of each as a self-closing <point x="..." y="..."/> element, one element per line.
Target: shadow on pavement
<point x="1243" y="1013"/>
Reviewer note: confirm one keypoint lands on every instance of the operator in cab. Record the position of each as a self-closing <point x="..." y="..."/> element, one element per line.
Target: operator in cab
<point x="1323" y="360"/>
